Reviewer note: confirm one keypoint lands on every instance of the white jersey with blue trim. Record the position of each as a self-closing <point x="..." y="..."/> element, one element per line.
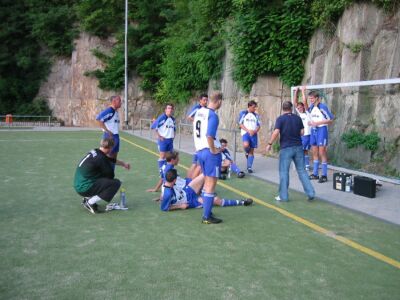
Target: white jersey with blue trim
<point x="226" y="155"/>
<point x="320" y="113"/>
<point x="305" y="117"/>
<point x="193" y="111"/>
<point x="205" y="124"/>
<point x="179" y="195"/>
<point x="165" y="126"/>
<point x="250" y="120"/>
<point x="110" y="118"/>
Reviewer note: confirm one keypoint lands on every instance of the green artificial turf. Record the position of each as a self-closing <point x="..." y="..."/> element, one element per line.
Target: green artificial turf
<point x="51" y="248"/>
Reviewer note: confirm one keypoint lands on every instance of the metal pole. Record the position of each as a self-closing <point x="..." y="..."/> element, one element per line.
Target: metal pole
<point x="126" y="63"/>
<point x="179" y="132"/>
<point x="234" y="142"/>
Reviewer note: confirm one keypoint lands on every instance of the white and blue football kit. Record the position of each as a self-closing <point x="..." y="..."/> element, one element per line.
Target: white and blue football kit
<point x="205" y="125"/>
<point x="110" y="118"/>
<point x="179" y="195"/>
<point x="319" y="134"/>
<point x="166" y="128"/>
<point x="251" y="121"/>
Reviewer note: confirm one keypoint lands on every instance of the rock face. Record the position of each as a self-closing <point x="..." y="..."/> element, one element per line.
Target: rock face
<point x="75" y="98"/>
<point x="365" y="46"/>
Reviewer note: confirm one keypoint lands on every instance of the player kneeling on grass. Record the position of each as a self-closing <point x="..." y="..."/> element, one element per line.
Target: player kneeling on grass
<point x="94" y="176"/>
<point x="227" y="161"/>
<point x="177" y="197"/>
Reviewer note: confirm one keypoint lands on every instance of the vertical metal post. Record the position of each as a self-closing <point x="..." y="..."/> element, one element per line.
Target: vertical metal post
<point x="235" y="147"/>
<point x="180" y="136"/>
<point x="126" y="63"/>
<point x="140" y="127"/>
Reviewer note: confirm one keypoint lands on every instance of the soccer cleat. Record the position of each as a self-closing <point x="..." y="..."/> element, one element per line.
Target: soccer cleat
<point x="211" y="220"/>
<point x="247" y="202"/>
<point x="240" y="174"/>
<point x="323" y="179"/>
<point x="277" y="198"/>
<point x="91" y="208"/>
<point x="313" y="177"/>
<point x="310" y="199"/>
<point x="222" y="177"/>
<point x="249" y="170"/>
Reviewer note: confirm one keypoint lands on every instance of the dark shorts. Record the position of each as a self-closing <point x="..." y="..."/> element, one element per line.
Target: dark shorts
<point x="105" y="188"/>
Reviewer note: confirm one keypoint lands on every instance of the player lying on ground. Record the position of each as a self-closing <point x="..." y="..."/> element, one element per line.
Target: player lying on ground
<point x="177" y="197"/>
<point x="227" y="162"/>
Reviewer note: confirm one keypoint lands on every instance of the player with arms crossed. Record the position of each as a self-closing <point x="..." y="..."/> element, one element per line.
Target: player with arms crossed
<point x="165" y="128"/>
<point x="108" y="121"/>
<point x="321" y="117"/>
<point x="249" y="122"/>
<point x="205" y="126"/>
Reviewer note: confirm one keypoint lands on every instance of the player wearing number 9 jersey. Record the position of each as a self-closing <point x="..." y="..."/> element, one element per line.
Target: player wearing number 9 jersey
<point x="205" y="127"/>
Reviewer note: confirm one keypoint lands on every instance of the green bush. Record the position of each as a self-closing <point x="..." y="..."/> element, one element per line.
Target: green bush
<point x="355" y="138"/>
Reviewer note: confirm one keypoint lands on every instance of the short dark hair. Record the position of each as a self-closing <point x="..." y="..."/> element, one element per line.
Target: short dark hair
<point x="169" y="104"/>
<point x="114" y="97"/>
<point x="314" y="94"/>
<point x="107" y="143"/>
<point x="204" y="95"/>
<point x="223" y="141"/>
<point x="252" y="103"/>
<point x="171" y="155"/>
<point x="171" y="175"/>
<point x="287" y="106"/>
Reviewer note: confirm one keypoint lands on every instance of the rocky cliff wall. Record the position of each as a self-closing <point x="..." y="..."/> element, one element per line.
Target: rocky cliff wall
<point x="364" y="46"/>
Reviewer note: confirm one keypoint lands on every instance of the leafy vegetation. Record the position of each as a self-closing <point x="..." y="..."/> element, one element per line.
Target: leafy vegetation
<point x="176" y="46"/>
<point x="355" y="138"/>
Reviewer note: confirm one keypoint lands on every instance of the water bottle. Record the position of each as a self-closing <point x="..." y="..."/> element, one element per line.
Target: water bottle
<point x="122" y="203"/>
<point x="229" y="172"/>
<point x="348" y="184"/>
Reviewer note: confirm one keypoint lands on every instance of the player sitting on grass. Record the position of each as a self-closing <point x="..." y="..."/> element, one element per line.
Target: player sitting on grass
<point x="177" y="197"/>
<point x="227" y="161"/>
<point x="172" y="159"/>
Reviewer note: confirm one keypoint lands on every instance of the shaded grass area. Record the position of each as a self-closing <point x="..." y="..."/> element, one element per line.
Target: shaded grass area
<point x="51" y="248"/>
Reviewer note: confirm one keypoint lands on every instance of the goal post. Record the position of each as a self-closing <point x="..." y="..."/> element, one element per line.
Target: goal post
<point x="365" y="134"/>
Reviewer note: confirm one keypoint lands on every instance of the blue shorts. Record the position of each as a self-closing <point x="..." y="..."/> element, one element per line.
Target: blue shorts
<point x="195" y="159"/>
<point x="167" y="145"/>
<point x="115" y="137"/>
<point x="192" y="197"/>
<point x="305" y="140"/>
<point x="252" y="140"/>
<point x="319" y="136"/>
<point x="210" y="163"/>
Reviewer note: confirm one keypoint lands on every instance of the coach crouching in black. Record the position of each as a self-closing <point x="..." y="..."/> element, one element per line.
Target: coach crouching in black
<point x="94" y="177"/>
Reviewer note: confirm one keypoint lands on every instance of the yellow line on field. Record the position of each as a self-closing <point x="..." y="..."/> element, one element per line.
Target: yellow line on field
<point x="301" y="220"/>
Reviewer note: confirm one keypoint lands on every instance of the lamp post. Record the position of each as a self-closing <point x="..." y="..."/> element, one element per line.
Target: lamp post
<point x="126" y="64"/>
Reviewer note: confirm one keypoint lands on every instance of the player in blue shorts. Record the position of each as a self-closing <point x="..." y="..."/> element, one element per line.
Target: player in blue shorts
<point x="177" y="197"/>
<point x="227" y="162"/>
<point x="195" y="169"/>
<point x="165" y="128"/>
<point x="108" y="121"/>
<point x="205" y="126"/>
<point x="301" y="109"/>
<point x="249" y="122"/>
<point x="321" y="117"/>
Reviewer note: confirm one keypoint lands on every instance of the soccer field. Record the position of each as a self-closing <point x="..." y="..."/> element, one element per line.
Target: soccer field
<point x="52" y="248"/>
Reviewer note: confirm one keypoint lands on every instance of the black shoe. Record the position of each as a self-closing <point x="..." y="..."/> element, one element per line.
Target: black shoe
<point x="249" y="170"/>
<point x="222" y="177"/>
<point x="240" y="174"/>
<point x="91" y="208"/>
<point x="247" y="202"/>
<point x="211" y="220"/>
<point x="314" y="177"/>
<point x="323" y="179"/>
<point x="310" y="199"/>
